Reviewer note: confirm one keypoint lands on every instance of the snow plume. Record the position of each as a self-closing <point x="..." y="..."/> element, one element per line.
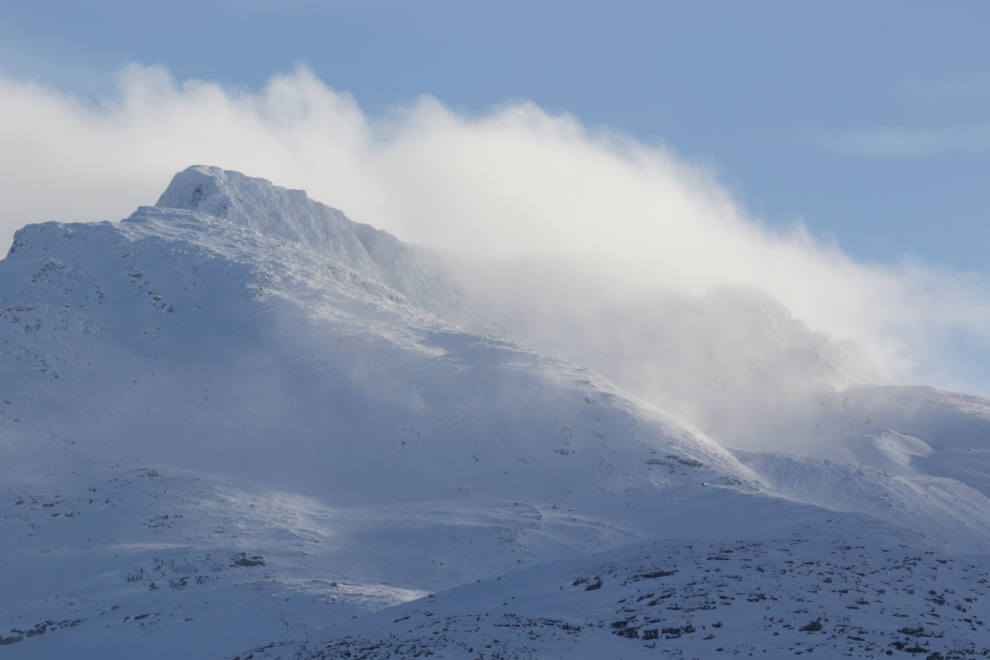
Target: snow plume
<point x="638" y="222"/>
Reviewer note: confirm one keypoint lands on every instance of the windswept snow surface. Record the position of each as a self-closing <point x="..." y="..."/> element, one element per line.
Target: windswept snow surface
<point x="816" y="591"/>
<point x="734" y="362"/>
<point x="230" y="424"/>
<point x="424" y="277"/>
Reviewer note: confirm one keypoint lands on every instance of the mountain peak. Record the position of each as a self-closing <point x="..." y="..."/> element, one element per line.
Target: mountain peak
<point x="245" y="200"/>
<point x="202" y="188"/>
<point x="202" y="426"/>
<point x="290" y="214"/>
<point x="271" y="210"/>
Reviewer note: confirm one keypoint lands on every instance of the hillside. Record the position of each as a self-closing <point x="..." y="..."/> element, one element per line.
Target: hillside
<point x="238" y="419"/>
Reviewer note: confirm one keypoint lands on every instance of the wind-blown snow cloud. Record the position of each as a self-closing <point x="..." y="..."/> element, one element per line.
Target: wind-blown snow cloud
<point x="516" y="181"/>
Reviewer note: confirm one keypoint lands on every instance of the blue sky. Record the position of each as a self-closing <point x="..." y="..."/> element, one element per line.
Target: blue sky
<point x="869" y="121"/>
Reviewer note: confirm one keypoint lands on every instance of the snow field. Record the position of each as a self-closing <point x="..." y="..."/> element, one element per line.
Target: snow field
<point x="232" y="423"/>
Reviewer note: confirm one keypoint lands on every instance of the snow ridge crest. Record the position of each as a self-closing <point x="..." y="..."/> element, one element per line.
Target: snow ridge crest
<point x="275" y="211"/>
<point x="272" y="210"/>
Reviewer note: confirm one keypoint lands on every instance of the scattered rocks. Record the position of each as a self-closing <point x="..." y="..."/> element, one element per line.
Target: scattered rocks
<point x="241" y="559"/>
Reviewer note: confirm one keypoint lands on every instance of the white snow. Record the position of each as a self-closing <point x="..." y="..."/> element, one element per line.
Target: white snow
<point x="238" y="419"/>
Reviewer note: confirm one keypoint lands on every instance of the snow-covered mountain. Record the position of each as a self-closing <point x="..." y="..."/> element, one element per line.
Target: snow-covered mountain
<point x="715" y="359"/>
<point x="420" y="274"/>
<point x="236" y="420"/>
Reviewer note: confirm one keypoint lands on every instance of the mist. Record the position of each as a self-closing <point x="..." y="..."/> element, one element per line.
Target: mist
<point x="640" y="227"/>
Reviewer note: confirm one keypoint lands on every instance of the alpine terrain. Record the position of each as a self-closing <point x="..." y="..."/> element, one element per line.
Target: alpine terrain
<point x="239" y="425"/>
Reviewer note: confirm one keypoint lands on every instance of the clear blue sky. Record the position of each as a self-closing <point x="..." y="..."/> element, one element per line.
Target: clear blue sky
<point x="869" y="120"/>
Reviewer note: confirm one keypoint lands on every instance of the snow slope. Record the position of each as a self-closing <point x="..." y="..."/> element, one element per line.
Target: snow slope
<point x="734" y="363"/>
<point x="833" y="595"/>
<point x="729" y="361"/>
<point x="423" y="276"/>
<point x="229" y="426"/>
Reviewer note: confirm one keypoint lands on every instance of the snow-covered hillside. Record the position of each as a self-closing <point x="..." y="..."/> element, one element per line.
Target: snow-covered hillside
<point x="830" y="594"/>
<point x="236" y="420"/>
<point x="735" y="363"/>
<point x="422" y="275"/>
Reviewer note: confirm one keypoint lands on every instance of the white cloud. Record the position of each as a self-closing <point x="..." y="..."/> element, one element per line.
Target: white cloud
<point x="514" y="181"/>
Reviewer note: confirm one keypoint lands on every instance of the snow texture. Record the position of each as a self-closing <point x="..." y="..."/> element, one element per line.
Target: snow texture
<point x="236" y="421"/>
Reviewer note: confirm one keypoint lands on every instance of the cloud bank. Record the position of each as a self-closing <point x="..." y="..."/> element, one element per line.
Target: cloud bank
<point x="514" y="182"/>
